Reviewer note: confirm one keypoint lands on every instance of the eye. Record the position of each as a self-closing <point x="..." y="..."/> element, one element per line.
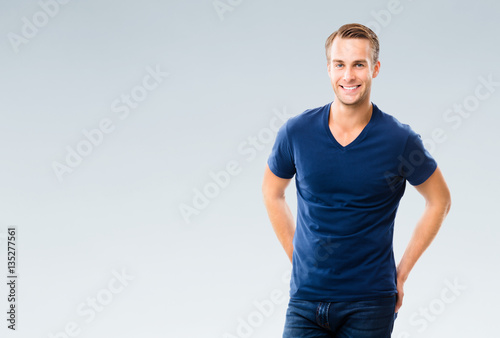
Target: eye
<point x="338" y="65"/>
<point x="360" y="65"/>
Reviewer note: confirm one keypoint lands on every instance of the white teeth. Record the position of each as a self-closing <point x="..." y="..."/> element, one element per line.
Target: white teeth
<point x="351" y="88"/>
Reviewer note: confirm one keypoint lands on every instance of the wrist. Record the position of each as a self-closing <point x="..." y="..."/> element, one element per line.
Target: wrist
<point x="401" y="275"/>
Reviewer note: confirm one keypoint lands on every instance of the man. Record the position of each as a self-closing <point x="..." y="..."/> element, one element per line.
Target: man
<point x="351" y="162"/>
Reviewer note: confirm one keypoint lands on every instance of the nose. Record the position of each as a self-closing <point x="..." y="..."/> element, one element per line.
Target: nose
<point x="348" y="74"/>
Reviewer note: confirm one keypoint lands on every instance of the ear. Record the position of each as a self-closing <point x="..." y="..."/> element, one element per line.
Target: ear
<point x="376" y="69"/>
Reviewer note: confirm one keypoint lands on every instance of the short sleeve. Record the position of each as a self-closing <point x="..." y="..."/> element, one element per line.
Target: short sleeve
<point x="281" y="160"/>
<point x="416" y="163"/>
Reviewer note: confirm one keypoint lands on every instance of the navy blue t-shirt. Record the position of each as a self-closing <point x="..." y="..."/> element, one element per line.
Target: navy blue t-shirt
<point x="347" y="198"/>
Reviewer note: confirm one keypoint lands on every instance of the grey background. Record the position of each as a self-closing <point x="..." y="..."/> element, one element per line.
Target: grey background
<point x="119" y="209"/>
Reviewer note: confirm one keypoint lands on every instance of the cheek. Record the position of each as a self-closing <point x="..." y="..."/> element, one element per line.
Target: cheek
<point x="367" y="77"/>
<point x="335" y="76"/>
<point x="336" y="79"/>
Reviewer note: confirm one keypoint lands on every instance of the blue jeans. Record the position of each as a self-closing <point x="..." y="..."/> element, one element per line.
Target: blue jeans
<point x="367" y="318"/>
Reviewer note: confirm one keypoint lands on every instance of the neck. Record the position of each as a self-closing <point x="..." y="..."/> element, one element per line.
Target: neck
<point x="350" y="116"/>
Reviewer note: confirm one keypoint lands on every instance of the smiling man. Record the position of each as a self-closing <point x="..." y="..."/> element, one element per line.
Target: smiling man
<point x="351" y="162"/>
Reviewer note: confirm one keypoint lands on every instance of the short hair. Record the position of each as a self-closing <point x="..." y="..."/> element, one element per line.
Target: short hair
<point x="354" y="31"/>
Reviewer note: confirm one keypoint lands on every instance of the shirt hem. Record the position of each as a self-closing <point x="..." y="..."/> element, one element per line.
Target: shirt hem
<point x="352" y="298"/>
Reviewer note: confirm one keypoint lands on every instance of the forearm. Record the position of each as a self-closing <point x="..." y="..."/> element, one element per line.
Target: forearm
<point x="282" y="221"/>
<point x="424" y="233"/>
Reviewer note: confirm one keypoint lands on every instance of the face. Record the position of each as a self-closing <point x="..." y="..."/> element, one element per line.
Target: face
<point x="351" y="70"/>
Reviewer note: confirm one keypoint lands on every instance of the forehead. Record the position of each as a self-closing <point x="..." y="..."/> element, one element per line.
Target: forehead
<point x="350" y="49"/>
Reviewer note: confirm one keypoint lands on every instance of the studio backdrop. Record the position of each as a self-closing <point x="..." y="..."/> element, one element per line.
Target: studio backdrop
<point x="134" y="137"/>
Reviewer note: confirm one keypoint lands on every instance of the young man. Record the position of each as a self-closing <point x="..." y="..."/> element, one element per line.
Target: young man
<point x="351" y="162"/>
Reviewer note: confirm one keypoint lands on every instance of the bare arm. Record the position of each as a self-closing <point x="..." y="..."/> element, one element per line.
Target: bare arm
<point x="273" y="190"/>
<point x="437" y="204"/>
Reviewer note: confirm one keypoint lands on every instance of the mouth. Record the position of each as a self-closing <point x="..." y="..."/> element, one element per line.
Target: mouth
<point x="350" y="88"/>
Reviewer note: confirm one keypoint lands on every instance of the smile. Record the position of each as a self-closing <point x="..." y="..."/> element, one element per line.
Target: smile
<point x="350" y="88"/>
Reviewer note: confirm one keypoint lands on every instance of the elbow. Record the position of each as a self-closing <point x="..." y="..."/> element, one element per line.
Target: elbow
<point x="445" y="203"/>
<point x="441" y="204"/>
<point x="447" y="206"/>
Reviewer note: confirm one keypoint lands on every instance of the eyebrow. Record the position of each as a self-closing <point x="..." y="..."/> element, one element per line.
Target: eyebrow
<point x="355" y="61"/>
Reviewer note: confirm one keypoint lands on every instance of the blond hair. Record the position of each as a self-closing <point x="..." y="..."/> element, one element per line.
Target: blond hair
<point x="354" y="31"/>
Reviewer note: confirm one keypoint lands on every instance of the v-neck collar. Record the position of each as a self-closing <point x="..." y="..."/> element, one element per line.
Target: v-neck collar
<point x="358" y="139"/>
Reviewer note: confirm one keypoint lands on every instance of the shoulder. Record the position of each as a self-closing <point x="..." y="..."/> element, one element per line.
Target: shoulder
<point x="391" y="126"/>
<point x="306" y="120"/>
